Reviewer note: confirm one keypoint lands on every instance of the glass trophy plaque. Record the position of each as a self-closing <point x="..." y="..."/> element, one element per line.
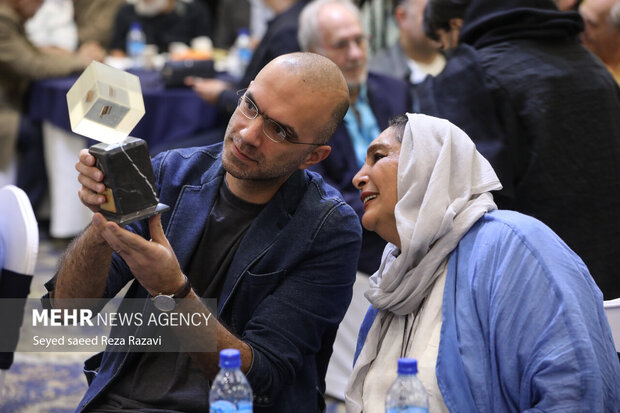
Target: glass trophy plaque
<point x="105" y="104"/>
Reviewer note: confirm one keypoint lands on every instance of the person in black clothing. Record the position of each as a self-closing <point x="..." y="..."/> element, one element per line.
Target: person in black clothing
<point x="334" y="29"/>
<point x="542" y="110"/>
<point x="162" y="21"/>
<point x="280" y="38"/>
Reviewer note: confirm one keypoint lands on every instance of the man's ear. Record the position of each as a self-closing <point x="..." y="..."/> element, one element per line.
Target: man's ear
<point x="400" y="14"/>
<point x="315" y="156"/>
<point x="455" y="31"/>
<point x="456" y="23"/>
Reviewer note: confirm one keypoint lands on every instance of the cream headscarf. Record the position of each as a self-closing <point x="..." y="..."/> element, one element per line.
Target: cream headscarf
<point x="443" y="185"/>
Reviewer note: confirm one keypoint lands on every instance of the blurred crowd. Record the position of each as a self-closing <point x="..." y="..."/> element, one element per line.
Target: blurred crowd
<point x="534" y="83"/>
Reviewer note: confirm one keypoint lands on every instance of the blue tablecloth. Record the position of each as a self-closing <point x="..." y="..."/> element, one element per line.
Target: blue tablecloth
<point x="171" y="114"/>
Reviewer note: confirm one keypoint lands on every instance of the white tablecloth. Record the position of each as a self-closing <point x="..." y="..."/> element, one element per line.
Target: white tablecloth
<point x="68" y="216"/>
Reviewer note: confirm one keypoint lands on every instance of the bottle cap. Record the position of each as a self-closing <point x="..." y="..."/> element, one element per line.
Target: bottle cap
<point x="135" y="26"/>
<point x="407" y="366"/>
<point x="230" y="358"/>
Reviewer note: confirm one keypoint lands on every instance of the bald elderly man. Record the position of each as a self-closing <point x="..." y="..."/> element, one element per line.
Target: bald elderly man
<point x="602" y="32"/>
<point x="249" y="226"/>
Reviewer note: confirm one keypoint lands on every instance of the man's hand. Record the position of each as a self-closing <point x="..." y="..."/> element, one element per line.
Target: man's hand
<point x="208" y="89"/>
<point x="91" y="192"/>
<point x="90" y="51"/>
<point x="153" y="262"/>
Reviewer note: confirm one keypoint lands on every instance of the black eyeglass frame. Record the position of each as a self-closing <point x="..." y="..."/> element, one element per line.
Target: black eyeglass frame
<point x="243" y="96"/>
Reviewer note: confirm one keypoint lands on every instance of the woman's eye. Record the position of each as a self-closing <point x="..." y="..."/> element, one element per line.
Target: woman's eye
<point x="377" y="156"/>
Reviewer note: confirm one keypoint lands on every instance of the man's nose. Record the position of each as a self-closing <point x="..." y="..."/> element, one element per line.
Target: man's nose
<point x="252" y="132"/>
<point x="355" y="50"/>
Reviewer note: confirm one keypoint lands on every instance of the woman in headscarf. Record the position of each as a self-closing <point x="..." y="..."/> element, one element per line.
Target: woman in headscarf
<point x="501" y="315"/>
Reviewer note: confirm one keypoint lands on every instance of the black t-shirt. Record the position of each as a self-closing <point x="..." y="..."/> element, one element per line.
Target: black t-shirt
<point x="170" y="382"/>
<point x="228" y="221"/>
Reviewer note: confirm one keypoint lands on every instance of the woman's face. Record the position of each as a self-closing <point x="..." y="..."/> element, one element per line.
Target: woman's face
<point x="377" y="182"/>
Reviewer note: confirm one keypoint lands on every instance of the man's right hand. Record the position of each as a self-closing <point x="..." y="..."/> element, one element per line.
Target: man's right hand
<point x="91" y="192"/>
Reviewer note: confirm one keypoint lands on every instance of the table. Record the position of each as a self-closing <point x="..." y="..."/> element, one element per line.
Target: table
<point x="170" y="115"/>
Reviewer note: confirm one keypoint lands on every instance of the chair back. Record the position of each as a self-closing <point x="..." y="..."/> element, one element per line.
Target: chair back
<point x="612" y="310"/>
<point x="19" y="233"/>
<point x="19" y="237"/>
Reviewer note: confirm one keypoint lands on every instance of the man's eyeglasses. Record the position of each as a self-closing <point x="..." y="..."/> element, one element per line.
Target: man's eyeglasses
<point x="272" y="129"/>
<point x="344" y="44"/>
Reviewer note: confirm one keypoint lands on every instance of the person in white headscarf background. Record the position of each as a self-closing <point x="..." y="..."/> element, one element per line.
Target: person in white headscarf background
<point x="501" y="315"/>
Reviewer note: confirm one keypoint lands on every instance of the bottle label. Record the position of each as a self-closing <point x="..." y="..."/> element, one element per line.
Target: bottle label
<point x="245" y="55"/>
<point x="135" y="48"/>
<point x="414" y="409"/>
<point x="244" y="407"/>
<point x="223" y="406"/>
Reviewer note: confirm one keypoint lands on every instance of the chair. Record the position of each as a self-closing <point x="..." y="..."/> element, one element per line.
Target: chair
<point x="612" y="310"/>
<point x="19" y="244"/>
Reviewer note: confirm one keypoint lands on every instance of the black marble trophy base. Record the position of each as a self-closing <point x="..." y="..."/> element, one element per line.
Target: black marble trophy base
<point x="129" y="180"/>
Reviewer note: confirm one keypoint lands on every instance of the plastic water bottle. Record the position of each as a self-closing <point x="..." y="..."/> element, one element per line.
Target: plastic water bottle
<point x="407" y="394"/>
<point x="230" y="391"/>
<point x="240" y="54"/>
<point x="136" y="43"/>
<point x="244" y="48"/>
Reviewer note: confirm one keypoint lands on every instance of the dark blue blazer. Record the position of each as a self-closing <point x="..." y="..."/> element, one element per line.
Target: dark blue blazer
<point x="388" y="97"/>
<point x="286" y="290"/>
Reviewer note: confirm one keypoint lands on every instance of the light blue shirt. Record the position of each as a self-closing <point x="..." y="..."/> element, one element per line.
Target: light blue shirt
<point x="523" y="324"/>
<point x="364" y="130"/>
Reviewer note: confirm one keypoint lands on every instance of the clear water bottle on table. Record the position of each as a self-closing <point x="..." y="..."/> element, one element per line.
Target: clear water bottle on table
<point x="243" y="45"/>
<point x="240" y="55"/>
<point x="407" y="394"/>
<point x="136" y="44"/>
<point x="230" y="391"/>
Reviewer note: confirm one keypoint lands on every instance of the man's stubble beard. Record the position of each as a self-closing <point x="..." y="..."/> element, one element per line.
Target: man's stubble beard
<point x="260" y="173"/>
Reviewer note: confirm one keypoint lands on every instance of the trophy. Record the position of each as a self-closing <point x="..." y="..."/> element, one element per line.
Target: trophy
<point x="105" y="104"/>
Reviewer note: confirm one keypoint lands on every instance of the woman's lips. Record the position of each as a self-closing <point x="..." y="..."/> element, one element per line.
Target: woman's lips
<point x="367" y="197"/>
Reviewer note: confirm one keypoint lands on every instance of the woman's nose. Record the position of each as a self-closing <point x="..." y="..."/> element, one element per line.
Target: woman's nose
<point x="360" y="179"/>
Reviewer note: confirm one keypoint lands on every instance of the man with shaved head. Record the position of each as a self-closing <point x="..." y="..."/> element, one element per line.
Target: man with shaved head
<point x="249" y="226"/>
<point x="334" y="29"/>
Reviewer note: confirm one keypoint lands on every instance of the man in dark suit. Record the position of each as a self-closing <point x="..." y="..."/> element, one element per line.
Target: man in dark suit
<point x="333" y="29"/>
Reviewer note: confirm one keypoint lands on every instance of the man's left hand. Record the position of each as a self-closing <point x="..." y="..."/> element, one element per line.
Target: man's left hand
<point x="153" y="262"/>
